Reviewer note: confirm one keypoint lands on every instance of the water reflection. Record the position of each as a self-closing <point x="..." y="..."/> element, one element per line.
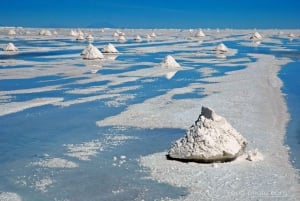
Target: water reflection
<point x="169" y="75"/>
<point x="110" y="56"/>
<point x="93" y="65"/>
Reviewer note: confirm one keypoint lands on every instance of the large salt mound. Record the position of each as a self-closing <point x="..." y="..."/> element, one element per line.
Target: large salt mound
<point x="256" y="36"/>
<point x="91" y="52"/>
<point x="10" y="47"/>
<point x="170" y="62"/>
<point x="210" y="139"/>
<point x="110" y="48"/>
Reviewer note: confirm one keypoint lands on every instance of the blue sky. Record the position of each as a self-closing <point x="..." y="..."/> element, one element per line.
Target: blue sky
<point x="151" y="13"/>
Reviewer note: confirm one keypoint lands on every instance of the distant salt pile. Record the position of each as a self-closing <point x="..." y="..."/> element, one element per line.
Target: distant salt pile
<point x="122" y="39"/>
<point x="153" y="35"/>
<point x="221" y="48"/>
<point x="170" y="62"/>
<point x="90" y="37"/>
<point x="73" y="33"/>
<point x="256" y="36"/>
<point x="45" y="32"/>
<point x="148" y="37"/>
<point x="12" y="32"/>
<point x="80" y="36"/>
<point x="116" y="34"/>
<point x="210" y="139"/>
<point x="42" y="32"/>
<point x="138" y="38"/>
<point x="291" y="35"/>
<point x="55" y="33"/>
<point x="200" y="34"/>
<point x="110" y="48"/>
<point x="10" y="47"/>
<point x="91" y="52"/>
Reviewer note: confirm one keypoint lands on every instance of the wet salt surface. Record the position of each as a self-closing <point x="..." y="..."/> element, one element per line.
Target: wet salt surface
<point x="40" y="143"/>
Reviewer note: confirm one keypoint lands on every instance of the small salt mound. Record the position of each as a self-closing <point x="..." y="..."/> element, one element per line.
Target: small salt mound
<point x="256" y="36"/>
<point x="221" y="48"/>
<point x="122" y="39"/>
<point x="153" y="35"/>
<point x="91" y="52"/>
<point x="148" y="37"/>
<point x="170" y="62"/>
<point x="116" y="34"/>
<point x="254" y="155"/>
<point x="12" y="32"/>
<point x="10" y="47"/>
<point x="291" y="35"/>
<point x="138" y="38"/>
<point x="110" y="48"/>
<point x="210" y="139"/>
<point x="42" y="32"/>
<point x="80" y="37"/>
<point x="55" y="33"/>
<point x="80" y="32"/>
<point x="73" y="33"/>
<point x="90" y="37"/>
<point x="199" y="34"/>
<point x="47" y="33"/>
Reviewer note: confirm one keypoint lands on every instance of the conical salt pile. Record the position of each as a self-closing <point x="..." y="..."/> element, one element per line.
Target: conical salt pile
<point x="199" y="34"/>
<point x="110" y="48"/>
<point x="80" y="37"/>
<point x="170" y="62"/>
<point x="12" y="32"/>
<point x="148" y="37"/>
<point x="256" y="36"/>
<point x="291" y="35"/>
<point x="90" y="37"/>
<point x="47" y="33"/>
<point x="153" y="35"/>
<point x="91" y="52"/>
<point x="73" y="33"/>
<point x="138" y="38"/>
<point x="10" y="47"/>
<point x="210" y="139"/>
<point x="116" y="34"/>
<point x="221" y="48"/>
<point x="122" y="39"/>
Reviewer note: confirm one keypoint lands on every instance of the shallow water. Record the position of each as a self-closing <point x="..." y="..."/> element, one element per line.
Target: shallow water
<point x="45" y="132"/>
<point x="290" y="76"/>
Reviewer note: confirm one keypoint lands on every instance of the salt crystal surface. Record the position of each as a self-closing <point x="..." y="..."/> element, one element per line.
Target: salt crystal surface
<point x="9" y="196"/>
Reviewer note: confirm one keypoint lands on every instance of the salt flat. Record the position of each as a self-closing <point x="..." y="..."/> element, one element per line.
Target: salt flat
<point x="77" y="116"/>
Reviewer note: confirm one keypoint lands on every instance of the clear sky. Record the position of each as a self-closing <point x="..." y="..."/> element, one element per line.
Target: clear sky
<point x="151" y="13"/>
